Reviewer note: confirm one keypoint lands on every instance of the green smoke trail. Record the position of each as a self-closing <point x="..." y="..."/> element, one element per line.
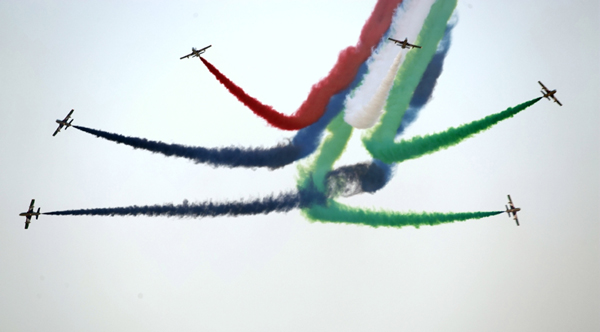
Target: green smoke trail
<point x="420" y="145"/>
<point x="340" y="213"/>
<point x="409" y="76"/>
<point x="338" y="134"/>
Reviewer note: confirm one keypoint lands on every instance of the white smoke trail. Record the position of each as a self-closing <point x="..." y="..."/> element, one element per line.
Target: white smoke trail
<point x="371" y="112"/>
<point x="407" y="23"/>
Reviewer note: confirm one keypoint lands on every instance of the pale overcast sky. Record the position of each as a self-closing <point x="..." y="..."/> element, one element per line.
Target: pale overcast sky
<point x="117" y="64"/>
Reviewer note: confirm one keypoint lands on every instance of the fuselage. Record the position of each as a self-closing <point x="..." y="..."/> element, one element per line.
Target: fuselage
<point x="29" y="214"/>
<point x="549" y="93"/>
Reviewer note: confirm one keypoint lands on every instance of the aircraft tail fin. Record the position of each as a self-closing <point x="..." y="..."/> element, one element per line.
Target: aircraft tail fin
<point x="37" y="215"/>
<point x="507" y="210"/>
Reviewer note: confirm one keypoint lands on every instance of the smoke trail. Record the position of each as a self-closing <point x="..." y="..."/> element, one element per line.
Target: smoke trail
<point x="424" y="90"/>
<point x="368" y="116"/>
<point x="303" y="144"/>
<point x="409" y="76"/>
<point x="355" y="179"/>
<point x="281" y="203"/>
<point x="275" y="157"/>
<point x="340" y="213"/>
<point x="309" y="138"/>
<point x="340" y="76"/>
<point x="331" y="149"/>
<point x="421" y="145"/>
<point x="373" y="176"/>
<point x="407" y="23"/>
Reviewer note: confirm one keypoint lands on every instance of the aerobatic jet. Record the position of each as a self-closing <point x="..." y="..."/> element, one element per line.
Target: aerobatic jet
<point x="64" y="123"/>
<point x="30" y="214"/>
<point x="404" y="43"/>
<point x="549" y="94"/>
<point x="195" y="52"/>
<point x="512" y="210"/>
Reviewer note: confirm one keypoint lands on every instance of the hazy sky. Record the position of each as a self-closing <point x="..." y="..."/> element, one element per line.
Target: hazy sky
<point x="117" y="64"/>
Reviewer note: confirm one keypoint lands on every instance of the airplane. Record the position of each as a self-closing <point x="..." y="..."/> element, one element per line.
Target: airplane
<point x="404" y="43"/>
<point x="30" y="214"/>
<point x="512" y="210"/>
<point x="549" y="94"/>
<point x="195" y="52"/>
<point x="64" y="123"/>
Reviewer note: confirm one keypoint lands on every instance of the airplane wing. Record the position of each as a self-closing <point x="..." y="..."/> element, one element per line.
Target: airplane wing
<point x="516" y="219"/>
<point x="58" y="129"/>
<point x="204" y="49"/>
<point x="414" y="46"/>
<point x="68" y="116"/>
<point x="543" y="87"/>
<point x="27" y="222"/>
<point x="395" y="40"/>
<point x="509" y="200"/>
<point x="556" y="100"/>
<point x="31" y="206"/>
<point x="186" y="56"/>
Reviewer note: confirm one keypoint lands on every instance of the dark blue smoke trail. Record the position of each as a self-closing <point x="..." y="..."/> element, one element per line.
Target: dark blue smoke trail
<point x="371" y="177"/>
<point x="275" y="157"/>
<point x="355" y="179"/>
<point x="280" y="203"/>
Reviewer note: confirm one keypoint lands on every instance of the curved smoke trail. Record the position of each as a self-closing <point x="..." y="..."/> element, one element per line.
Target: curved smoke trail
<point x="424" y="90"/>
<point x="340" y="213"/>
<point x="371" y="112"/>
<point x="373" y="176"/>
<point x="340" y="76"/>
<point x="278" y="156"/>
<point x="407" y="23"/>
<point x="418" y="146"/>
<point x="303" y="144"/>
<point x="409" y="76"/>
<point x="355" y="179"/>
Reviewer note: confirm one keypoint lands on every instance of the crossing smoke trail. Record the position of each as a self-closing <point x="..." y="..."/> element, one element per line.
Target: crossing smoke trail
<point x="408" y="77"/>
<point x="281" y="203"/>
<point x="371" y="112"/>
<point x="303" y="144"/>
<point x="340" y="213"/>
<point x="372" y="176"/>
<point x="424" y="90"/>
<point x="355" y="179"/>
<point x="421" y="145"/>
<point x="340" y="76"/>
<point x="407" y="23"/>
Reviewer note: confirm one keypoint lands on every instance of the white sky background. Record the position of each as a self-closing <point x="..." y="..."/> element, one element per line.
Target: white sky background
<point x="117" y="64"/>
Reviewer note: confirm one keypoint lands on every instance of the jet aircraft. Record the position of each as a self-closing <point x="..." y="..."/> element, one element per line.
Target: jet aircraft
<point x="404" y="43"/>
<point x="195" y="52"/>
<point x="549" y="94"/>
<point x="512" y="210"/>
<point x="30" y="214"/>
<point x="64" y="123"/>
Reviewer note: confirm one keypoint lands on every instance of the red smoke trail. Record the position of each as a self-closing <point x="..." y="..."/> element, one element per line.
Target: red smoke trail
<point x="342" y="74"/>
